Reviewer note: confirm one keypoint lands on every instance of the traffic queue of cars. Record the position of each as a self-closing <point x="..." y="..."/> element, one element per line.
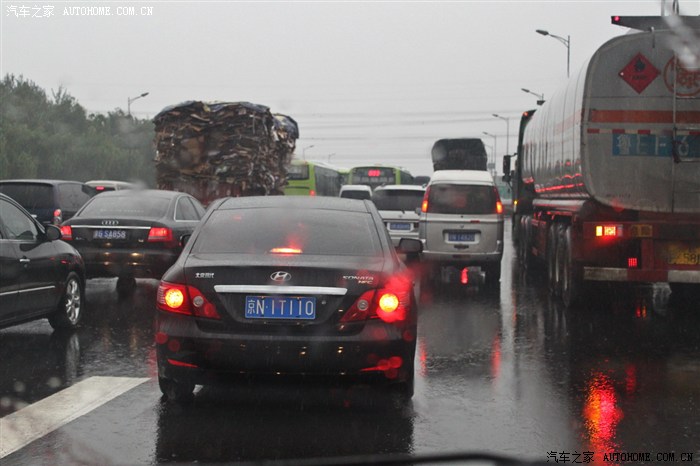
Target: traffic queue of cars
<point x="259" y="285"/>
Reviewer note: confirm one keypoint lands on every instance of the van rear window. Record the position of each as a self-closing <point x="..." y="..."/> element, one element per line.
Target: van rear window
<point x="462" y="199"/>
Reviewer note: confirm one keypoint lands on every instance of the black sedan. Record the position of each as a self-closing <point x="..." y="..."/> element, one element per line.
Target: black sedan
<point x="132" y="233"/>
<point x="40" y="276"/>
<point x="287" y="285"/>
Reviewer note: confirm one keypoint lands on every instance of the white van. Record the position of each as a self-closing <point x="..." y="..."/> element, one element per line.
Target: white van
<point x="461" y="226"/>
<point x="356" y="191"/>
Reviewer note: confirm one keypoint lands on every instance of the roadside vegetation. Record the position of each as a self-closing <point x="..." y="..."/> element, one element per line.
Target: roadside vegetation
<point x="44" y="136"/>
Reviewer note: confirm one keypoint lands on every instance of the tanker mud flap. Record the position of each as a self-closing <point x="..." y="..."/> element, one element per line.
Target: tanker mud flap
<point x="471" y="276"/>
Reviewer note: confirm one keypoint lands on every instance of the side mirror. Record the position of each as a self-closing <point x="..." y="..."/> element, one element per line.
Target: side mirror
<point x="409" y="246"/>
<point x="184" y="239"/>
<point x="506" y="168"/>
<point x="53" y="233"/>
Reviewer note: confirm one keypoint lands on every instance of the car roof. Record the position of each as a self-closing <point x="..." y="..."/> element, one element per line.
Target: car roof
<point x="462" y="176"/>
<point x="400" y="187"/>
<point x="303" y="202"/>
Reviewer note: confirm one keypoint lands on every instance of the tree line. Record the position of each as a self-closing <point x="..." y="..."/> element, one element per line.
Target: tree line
<point x="55" y="138"/>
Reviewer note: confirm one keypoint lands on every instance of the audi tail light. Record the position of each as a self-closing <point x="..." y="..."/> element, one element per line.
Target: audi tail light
<point x="66" y="233"/>
<point x="184" y="299"/>
<point x="160" y="235"/>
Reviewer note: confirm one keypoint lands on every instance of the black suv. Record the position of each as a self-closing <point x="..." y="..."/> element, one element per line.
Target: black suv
<point x="49" y="201"/>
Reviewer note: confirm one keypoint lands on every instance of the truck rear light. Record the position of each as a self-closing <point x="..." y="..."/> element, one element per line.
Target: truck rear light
<point x="183" y="299"/>
<point x="632" y="262"/>
<point x="608" y="231"/>
<point x="160" y="234"/>
<point x="66" y="233"/>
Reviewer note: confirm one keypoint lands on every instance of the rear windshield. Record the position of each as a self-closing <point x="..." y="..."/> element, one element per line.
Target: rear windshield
<point x="388" y="199"/>
<point x="356" y="195"/>
<point x="126" y="206"/>
<point x="31" y="196"/>
<point x="270" y="230"/>
<point x="462" y="199"/>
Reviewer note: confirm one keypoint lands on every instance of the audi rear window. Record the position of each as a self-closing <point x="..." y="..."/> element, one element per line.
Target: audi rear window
<point x="126" y="206"/>
<point x="271" y="230"/>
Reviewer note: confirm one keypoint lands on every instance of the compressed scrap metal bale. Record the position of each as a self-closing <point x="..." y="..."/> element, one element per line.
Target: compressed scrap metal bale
<point x="212" y="148"/>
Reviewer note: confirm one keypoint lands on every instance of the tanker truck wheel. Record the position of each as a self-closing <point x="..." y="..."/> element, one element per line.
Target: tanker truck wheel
<point x="524" y="255"/>
<point x="571" y="274"/>
<point x="553" y="258"/>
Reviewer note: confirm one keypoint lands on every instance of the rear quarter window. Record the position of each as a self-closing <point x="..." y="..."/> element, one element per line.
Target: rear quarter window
<point x="462" y="199"/>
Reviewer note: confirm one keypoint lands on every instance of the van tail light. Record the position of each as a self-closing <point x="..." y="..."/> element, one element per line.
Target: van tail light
<point x="184" y="299"/>
<point x="160" y="235"/>
<point x="57" y="216"/>
<point x="66" y="233"/>
<point x="390" y="303"/>
<point x="499" y="207"/>
<point x="424" y="204"/>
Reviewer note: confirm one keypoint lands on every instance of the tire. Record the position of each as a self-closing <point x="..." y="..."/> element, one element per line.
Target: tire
<point x="69" y="310"/>
<point x="552" y="253"/>
<point x="571" y="276"/>
<point x="178" y="392"/>
<point x="493" y="274"/>
<point x="524" y="255"/>
<point x="126" y="285"/>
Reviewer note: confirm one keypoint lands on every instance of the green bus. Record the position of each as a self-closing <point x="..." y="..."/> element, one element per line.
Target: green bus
<point x="379" y="175"/>
<point x="307" y="178"/>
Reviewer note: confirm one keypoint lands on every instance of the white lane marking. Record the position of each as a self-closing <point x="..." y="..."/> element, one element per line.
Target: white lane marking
<point x="38" y="419"/>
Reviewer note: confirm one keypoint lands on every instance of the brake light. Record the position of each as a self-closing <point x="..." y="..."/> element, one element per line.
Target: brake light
<point x="182" y="299"/>
<point x="424" y="205"/>
<point x="499" y="207"/>
<point x="464" y="276"/>
<point x="66" y="232"/>
<point x="57" y="216"/>
<point x="99" y="188"/>
<point x="285" y="250"/>
<point x="160" y="234"/>
<point x="389" y="303"/>
<point x="632" y="262"/>
<point x="607" y="231"/>
<point x="312" y="193"/>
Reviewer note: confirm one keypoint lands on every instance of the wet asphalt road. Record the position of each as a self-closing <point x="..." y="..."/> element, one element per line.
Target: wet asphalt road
<point x="506" y="371"/>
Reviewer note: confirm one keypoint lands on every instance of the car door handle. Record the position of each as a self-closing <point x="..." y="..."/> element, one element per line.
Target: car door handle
<point x="24" y="260"/>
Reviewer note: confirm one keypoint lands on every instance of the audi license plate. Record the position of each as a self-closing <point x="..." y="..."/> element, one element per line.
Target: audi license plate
<point x="461" y="236"/>
<point x="109" y="234"/>
<point x="400" y="226"/>
<point x="280" y="307"/>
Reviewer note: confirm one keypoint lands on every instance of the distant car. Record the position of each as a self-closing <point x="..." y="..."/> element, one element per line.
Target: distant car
<point x="40" y="276"/>
<point x="49" y="201"/>
<point x="356" y="191"/>
<point x="132" y="233"/>
<point x="287" y="285"/>
<point x="101" y="186"/>
<point x="399" y="206"/>
<point x="461" y="226"/>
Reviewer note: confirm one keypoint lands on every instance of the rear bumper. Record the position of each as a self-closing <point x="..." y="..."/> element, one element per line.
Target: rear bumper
<point x="380" y="351"/>
<point x="139" y="263"/>
<point x="461" y="258"/>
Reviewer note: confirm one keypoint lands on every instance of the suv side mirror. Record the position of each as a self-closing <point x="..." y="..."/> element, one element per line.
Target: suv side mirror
<point x="409" y="246"/>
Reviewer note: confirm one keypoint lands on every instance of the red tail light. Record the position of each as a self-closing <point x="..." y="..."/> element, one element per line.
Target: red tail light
<point x="66" y="232"/>
<point x="160" y="234"/>
<point x="312" y="193"/>
<point x="183" y="299"/>
<point x="57" y="216"/>
<point x="424" y="205"/>
<point x="390" y="303"/>
<point x="499" y="207"/>
<point x="464" y="276"/>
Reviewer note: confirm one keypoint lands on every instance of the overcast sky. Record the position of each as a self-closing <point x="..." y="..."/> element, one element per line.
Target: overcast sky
<point x="367" y="82"/>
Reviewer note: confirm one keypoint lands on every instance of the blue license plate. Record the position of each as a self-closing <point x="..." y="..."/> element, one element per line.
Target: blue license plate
<point x="400" y="226"/>
<point x="109" y="234"/>
<point x="280" y="307"/>
<point x="461" y="236"/>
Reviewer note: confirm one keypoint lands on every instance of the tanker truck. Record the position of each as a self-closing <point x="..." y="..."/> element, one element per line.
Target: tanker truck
<point x="607" y="175"/>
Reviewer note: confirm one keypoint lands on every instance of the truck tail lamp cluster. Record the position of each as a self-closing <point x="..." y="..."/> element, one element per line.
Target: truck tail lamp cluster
<point x="608" y="231"/>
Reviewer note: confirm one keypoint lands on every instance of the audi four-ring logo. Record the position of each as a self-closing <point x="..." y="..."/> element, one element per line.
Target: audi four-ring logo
<point x="281" y="276"/>
<point x="110" y="222"/>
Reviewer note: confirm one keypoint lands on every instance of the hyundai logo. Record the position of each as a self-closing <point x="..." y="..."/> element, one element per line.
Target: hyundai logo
<point x="110" y="222"/>
<point x="281" y="276"/>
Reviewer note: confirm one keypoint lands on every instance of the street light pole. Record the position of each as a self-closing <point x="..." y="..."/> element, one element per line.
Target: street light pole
<point x="303" y="151"/>
<point x="540" y="97"/>
<point x="507" y="120"/>
<point x="566" y="42"/>
<point x="131" y="99"/>
<point x="494" y="147"/>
